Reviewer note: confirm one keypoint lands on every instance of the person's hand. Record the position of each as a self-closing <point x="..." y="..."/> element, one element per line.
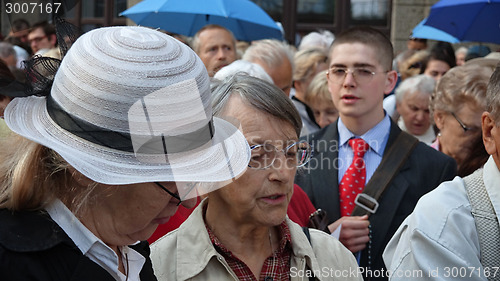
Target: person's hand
<point x="354" y="232"/>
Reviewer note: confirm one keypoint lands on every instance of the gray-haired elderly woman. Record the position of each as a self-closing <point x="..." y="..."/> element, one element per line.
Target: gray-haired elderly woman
<point x="412" y="104"/>
<point x="241" y="232"/>
<point x="457" y="105"/>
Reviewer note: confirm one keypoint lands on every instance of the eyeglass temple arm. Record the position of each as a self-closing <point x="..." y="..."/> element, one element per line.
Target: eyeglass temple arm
<point x="175" y="195"/>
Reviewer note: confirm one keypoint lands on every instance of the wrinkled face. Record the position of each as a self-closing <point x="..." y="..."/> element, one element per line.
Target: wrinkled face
<point x="281" y="74"/>
<point x="130" y="213"/>
<point x="39" y="40"/>
<point x="216" y="49"/>
<point x="359" y="100"/>
<point x="258" y="197"/>
<point x="454" y="141"/>
<point x="436" y="69"/>
<point x="325" y="112"/>
<point x="414" y="109"/>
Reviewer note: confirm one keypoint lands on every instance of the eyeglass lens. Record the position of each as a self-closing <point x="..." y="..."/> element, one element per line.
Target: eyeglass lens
<point x="37" y="39"/>
<point x="361" y="75"/>
<point x="265" y="155"/>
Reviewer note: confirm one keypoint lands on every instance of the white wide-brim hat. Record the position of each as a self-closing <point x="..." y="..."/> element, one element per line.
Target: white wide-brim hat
<point x="132" y="105"/>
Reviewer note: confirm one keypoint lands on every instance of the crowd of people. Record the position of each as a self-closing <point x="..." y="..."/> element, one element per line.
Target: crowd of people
<point x="127" y="154"/>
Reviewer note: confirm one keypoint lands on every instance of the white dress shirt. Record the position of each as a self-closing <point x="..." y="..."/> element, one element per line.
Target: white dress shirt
<point x="93" y="247"/>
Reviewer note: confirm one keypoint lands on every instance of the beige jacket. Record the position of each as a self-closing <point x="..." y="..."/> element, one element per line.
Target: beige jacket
<point x="187" y="254"/>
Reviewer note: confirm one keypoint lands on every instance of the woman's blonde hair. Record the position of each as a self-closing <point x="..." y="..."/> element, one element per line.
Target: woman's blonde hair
<point x="318" y="90"/>
<point x="32" y="175"/>
<point x="306" y="61"/>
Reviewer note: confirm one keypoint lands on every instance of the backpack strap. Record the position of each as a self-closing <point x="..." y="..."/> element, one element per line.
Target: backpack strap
<point x="393" y="160"/>
<point x="488" y="229"/>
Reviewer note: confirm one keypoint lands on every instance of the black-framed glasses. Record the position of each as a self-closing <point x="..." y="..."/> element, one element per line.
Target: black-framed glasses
<point x="466" y="129"/>
<point x="264" y="156"/>
<point x="175" y="195"/>
<point x="37" y="39"/>
<point x="361" y="75"/>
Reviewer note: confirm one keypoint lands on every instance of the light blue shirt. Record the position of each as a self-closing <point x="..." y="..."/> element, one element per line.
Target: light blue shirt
<point x="376" y="137"/>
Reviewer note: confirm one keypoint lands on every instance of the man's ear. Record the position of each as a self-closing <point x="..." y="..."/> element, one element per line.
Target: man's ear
<point x="489" y="129"/>
<point x="439" y="118"/>
<point x="392" y="79"/>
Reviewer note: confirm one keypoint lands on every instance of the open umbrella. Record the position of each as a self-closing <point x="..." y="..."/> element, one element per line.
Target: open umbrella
<point x="429" y="32"/>
<point x="244" y="18"/>
<point x="467" y="20"/>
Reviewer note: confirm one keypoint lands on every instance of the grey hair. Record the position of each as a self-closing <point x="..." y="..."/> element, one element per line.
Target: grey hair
<point x="269" y="51"/>
<point x="493" y="95"/>
<point x="322" y="39"/>
<point x="421" y="83"/>
<point x="7" y="50"/>
<point x="260" y="94"/>
<point x="460" y="85"/>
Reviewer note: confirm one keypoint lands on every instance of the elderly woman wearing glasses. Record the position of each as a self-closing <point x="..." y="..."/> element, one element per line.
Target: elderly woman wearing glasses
<point x="457" y="104"/>
<point x="106" y="154"/>
<point x="241" y="232"/>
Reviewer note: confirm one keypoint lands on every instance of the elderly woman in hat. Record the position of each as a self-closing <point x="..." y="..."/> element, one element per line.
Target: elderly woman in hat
<point x="241" y="232"/>
<point x="110" y="151"/>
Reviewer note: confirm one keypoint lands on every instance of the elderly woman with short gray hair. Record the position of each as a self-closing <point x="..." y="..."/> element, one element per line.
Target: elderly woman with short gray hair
<point x="412" y="104"/>
<point x="241" y="232"/>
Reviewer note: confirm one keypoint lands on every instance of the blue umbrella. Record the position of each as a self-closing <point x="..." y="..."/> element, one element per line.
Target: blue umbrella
<point x="467" y="20"/>
<point x="244" y="18"/>
<point x="429" y="32"/>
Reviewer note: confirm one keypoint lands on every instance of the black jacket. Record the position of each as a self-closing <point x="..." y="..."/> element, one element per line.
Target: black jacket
<point x="34" y="247"/>
<point x="423" y="171"/>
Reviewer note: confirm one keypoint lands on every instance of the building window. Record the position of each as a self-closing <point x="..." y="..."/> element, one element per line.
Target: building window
<point x="303" y="16"/>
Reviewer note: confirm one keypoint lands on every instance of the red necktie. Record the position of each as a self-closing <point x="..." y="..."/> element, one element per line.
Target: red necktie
<point x="354" y="178"/>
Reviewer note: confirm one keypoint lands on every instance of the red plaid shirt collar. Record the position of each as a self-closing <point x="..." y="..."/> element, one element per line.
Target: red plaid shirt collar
<point x="275" y="268"/>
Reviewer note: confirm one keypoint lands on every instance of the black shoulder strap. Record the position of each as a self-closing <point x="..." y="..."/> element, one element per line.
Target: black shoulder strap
<point x="308" y="235"/>
<point x="398" y="153"/>
<point x="306" y="232"/>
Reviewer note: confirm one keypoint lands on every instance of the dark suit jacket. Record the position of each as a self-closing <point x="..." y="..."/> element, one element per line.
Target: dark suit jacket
<point x="34" y="247"/>
<point x="424" y="170"/>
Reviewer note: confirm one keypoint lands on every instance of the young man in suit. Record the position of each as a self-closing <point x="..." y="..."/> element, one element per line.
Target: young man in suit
<point x="359" y="75"/>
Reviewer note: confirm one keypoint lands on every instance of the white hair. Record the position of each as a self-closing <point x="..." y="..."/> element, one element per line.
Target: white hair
<point x="246" y="67"/>
<point x="322" y="39"/>
<point x="269" y="51"/>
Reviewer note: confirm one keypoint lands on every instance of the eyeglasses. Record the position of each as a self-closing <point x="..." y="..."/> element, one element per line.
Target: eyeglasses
<point x="462" y="124"/>
<point x="37" y="39"/>
<point x="361" y="75"/>
<point x="175" y="195"/>
<point x="264" y="156"/>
